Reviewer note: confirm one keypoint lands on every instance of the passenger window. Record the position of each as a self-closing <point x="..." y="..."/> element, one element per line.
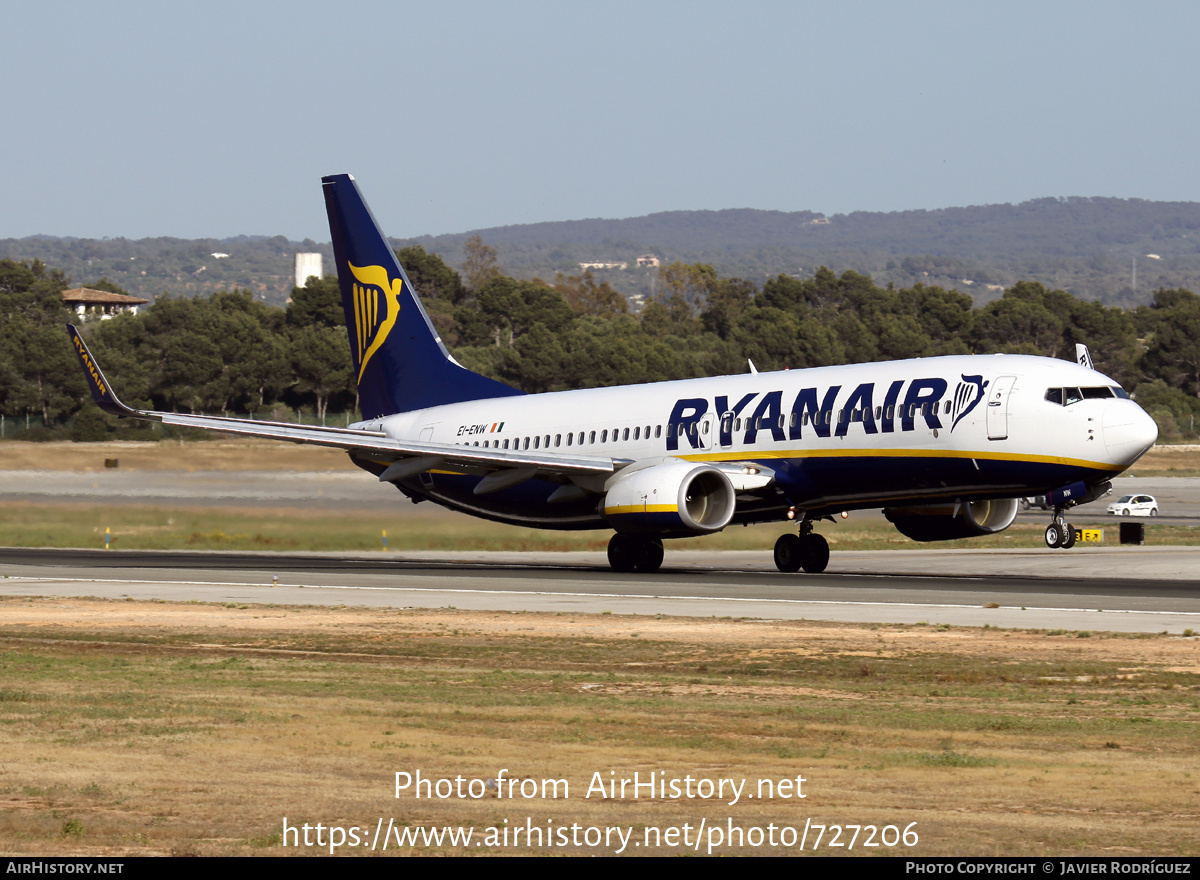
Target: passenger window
<point x="604" y="436"/>
<point x="737" y="424"/>
<point x="547" y="441"/>
<point x="947" y="409"/>
<point x="626" y="435"/>
<point x="569" y="436"/>
<point x="536" y="442"/>
<point x="592" y="437"/>
<point x="557" y="440"/>
<point x="637" y="433"/>
<point x="657" y="431"/>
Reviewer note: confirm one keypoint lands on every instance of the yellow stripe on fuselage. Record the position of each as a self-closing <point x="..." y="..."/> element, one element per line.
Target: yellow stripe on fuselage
<point x="794" y="454"/>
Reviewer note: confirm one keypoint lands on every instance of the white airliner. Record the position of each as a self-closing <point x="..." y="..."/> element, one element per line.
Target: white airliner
<point x="946" y="446"/>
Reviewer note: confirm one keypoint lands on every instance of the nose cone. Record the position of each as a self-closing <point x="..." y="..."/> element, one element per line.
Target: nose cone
<point x="1128" y="431"/>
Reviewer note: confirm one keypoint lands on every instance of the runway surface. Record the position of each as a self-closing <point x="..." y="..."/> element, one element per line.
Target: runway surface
<point x="1135" y="589"/>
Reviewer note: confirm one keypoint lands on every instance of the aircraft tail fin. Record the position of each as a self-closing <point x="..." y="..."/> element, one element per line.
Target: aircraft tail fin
<point x="399" y="360"/>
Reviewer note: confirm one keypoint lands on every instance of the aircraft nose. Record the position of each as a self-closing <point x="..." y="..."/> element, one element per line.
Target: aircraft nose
<point x="1128" y="431"/>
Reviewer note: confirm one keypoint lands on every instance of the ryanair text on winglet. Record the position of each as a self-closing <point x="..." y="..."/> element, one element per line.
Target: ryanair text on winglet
<point x="87" y="362"/>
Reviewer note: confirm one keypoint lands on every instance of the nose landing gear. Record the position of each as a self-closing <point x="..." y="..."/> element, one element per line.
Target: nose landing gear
<point x="1060" y="533"/>
<point x="808" y="551"/>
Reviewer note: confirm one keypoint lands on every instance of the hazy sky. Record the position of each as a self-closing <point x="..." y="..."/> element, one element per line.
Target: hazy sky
<point x="137" y="119"/>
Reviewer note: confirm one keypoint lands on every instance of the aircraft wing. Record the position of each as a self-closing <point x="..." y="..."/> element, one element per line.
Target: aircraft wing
<point x="504" y="467"/>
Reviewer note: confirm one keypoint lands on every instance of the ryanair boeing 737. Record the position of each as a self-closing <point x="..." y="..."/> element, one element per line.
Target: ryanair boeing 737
<point x="944" y="445"/>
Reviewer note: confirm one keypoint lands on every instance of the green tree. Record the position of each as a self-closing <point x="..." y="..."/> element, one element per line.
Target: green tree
<point x="320" y="359"/>
<point x="479" y="263"/>
<point x="1171" y="326"/>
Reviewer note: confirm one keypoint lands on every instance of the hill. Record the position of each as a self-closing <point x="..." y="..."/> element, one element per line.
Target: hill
<point x="1091" y="247"/>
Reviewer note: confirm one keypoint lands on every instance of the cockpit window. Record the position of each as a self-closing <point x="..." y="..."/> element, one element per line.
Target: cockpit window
<point x="1068" y="396"/>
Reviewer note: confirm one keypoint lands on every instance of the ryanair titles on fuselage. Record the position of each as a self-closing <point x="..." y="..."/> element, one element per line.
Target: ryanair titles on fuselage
<point x="878" y="407"/>
<point x="828" y="411"/>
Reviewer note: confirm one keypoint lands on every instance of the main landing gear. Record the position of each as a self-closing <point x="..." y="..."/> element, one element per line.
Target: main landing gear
<point x="635" y="553"/>
<point x="1060" y="533"/>
<point x="808" y="551"/>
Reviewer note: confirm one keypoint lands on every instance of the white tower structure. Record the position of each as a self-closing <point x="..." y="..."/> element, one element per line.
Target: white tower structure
<point x="306" y="265"/>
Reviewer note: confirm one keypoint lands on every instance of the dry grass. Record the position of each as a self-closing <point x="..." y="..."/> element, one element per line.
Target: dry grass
<point x="233" y="454"/>
<point x="1170" y="461"/>
<point x="140" y="728"/>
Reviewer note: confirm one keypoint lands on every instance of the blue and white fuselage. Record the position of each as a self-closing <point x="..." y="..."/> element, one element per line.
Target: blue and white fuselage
<point x="962" y="428"/>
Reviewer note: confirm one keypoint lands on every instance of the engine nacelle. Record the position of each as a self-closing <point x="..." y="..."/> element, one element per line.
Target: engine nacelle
<point x="945" y="522"/>
<point x="673" y="497"/>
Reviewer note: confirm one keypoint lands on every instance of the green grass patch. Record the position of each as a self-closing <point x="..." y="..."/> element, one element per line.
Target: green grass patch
<point x="143" y="527"/>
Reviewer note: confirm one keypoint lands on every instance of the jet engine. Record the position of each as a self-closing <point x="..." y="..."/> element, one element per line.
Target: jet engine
<point x="945" y="522"/>
<point x="671" y="498"/>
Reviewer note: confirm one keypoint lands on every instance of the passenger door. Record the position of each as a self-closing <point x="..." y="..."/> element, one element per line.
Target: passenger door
<point x="997" y="407"/>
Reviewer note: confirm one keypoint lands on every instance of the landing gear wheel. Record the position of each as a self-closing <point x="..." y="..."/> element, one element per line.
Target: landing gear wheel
<point x="633" y="552"/>
<point x="815" y="556"/>
<point x="1054" y="535"/>
<point x="622" y="553"/>
<point x="650" y="555"/>
<point x="1069" y="537"/>
<point x="789" y="553"/>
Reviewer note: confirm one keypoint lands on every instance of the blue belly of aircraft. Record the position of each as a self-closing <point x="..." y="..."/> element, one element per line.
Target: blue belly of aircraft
<point x="818" y="485"/>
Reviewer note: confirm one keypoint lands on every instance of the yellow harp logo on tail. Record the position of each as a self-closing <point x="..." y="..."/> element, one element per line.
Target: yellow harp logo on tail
<point x="376" y="307"/>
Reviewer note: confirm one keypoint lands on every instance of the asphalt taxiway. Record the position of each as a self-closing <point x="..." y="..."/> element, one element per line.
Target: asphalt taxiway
<point x="1135" y="589"/>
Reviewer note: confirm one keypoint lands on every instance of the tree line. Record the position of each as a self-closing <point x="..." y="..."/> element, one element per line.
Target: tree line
<point x="230" y="353"/>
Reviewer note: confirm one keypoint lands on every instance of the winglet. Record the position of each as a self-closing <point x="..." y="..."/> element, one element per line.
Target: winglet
<point x="101" y="391"/>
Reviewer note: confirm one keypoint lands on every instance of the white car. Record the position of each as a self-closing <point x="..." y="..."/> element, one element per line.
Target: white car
<point x="1134" y="505"/>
